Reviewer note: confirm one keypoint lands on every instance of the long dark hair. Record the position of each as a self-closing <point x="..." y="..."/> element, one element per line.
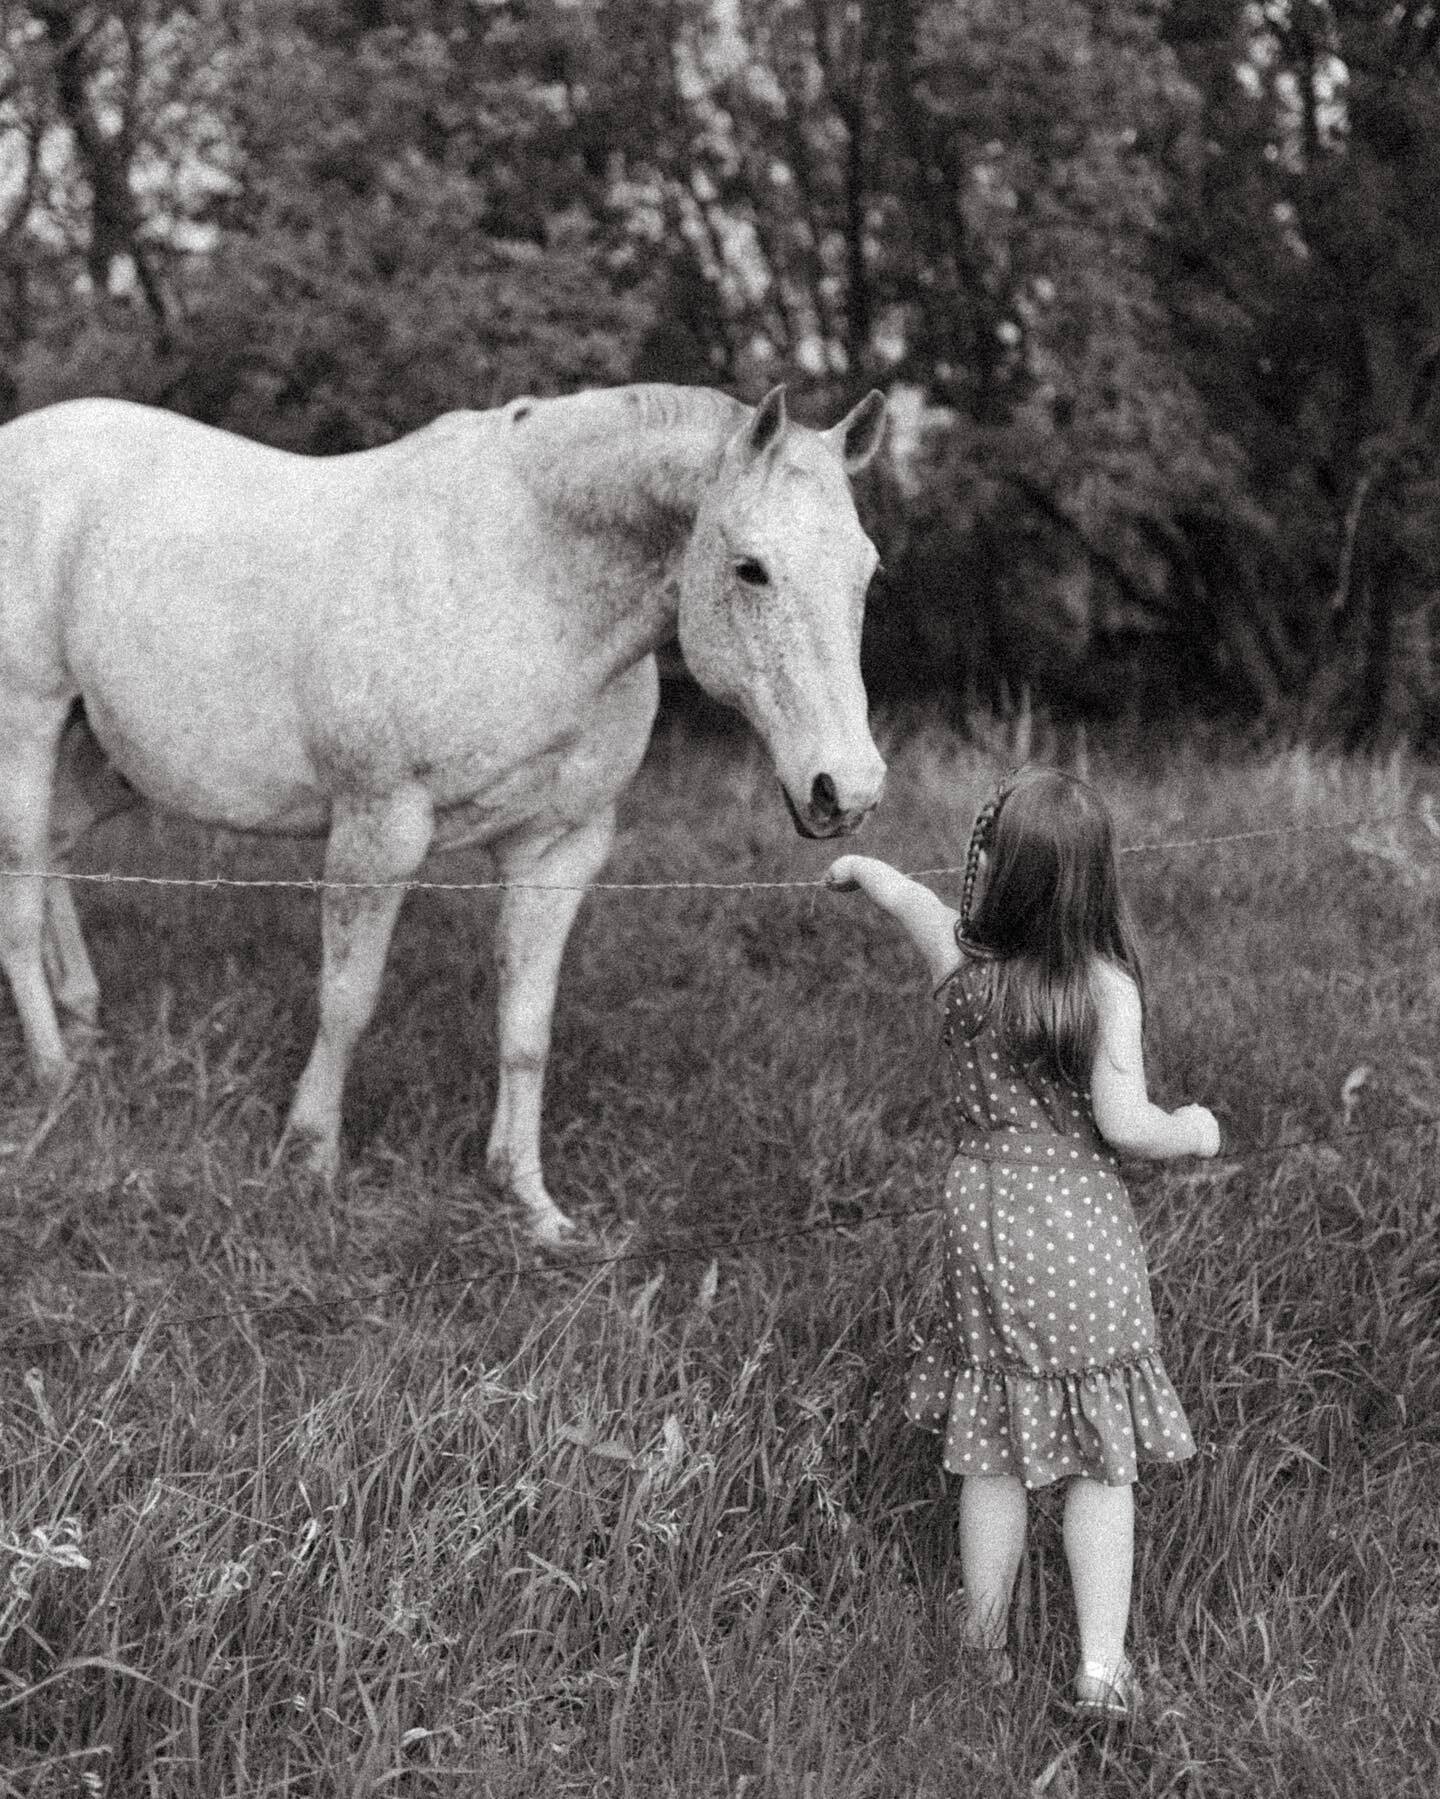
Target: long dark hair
<point x="1051" y="905"/>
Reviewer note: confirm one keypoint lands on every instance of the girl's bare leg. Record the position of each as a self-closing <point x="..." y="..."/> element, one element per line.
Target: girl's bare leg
<point x="992" y="1539"/>
<point x="1100" y="1549"/>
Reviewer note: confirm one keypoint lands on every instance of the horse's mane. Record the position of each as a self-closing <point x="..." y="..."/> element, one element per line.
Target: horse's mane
<point x="631" y="457"/>
<point x="663" y="406"/>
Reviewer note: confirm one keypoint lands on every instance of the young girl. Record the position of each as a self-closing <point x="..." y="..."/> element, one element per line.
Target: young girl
<point x="1047" y="1368"/>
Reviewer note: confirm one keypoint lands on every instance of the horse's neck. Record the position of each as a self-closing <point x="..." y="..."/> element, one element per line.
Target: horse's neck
<point x="623" y="469"/>
<point x="619" y="475"/>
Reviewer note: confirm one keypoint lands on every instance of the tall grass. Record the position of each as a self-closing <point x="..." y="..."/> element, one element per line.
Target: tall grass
<point x="653" y="1526"/>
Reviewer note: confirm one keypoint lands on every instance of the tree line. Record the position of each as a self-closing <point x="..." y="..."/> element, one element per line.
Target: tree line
<point x="1153" y="285"/>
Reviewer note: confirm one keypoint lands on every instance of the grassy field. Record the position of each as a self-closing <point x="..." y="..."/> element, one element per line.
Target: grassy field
<point x="408" y="1508"/>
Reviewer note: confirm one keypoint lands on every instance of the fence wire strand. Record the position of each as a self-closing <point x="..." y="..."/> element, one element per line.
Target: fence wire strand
<point x="323" y="883"/>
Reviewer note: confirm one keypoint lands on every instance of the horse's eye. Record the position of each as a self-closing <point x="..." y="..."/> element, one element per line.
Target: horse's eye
<point x="752" y="572"/>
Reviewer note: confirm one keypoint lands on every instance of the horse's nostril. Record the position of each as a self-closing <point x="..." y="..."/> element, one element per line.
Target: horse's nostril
<point x="824" y="800"/>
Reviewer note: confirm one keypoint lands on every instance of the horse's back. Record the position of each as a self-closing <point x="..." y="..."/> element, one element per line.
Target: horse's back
<point x="81" y="434"/>
<point x="245" y="624"/>
<point x="75" y="465"/>
<point x="64" y="462"/>
<point x="160" y="568"/>
<point x="90" y="487"/>
<point x="106" y="505"/>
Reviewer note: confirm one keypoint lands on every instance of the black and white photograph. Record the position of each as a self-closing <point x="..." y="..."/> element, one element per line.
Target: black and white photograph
<point x="719" y="899"/>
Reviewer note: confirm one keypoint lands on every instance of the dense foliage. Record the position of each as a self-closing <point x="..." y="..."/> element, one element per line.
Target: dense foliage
<point x="1153" y="283"/>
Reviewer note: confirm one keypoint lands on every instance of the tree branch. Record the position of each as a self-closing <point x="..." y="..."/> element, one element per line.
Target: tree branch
<point x="12" y="226"/>
<point x="115" y="224"/>
<point x="1380" y="455"/>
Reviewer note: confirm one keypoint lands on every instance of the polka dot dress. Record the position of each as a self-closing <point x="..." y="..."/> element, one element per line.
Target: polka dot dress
<point x="1046" y="1364"/>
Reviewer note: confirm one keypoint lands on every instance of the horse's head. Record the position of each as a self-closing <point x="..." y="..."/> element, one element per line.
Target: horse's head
<point x="771" y="603"/>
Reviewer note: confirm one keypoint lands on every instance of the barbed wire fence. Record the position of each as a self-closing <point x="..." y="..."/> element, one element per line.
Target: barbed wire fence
<point x="419" y="884"/>
<point x="691" y="1248"/>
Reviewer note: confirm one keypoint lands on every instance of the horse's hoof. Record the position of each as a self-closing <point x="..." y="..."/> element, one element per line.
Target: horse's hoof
<point x="82" y="1035"/>
<point x="53" y="1077"/>
<point x="308" y="1159"/>
<point x="323" y="1167"/>
<point x="553" y="1230"/>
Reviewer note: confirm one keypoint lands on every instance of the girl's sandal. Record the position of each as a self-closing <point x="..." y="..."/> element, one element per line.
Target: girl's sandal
<point x="1110" y="1694"/>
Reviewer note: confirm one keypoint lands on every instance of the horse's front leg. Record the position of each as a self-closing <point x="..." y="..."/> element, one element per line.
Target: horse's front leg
<point x="535" y="919"/>
<point x="371" y="839"/>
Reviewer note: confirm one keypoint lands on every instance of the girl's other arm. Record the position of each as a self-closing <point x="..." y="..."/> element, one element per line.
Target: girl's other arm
<point x="1126" y="1117"/>
<point x="923" y="916"/>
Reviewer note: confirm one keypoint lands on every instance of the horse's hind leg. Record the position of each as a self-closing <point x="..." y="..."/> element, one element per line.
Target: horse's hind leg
<point x="535" y="920"/>
<point x="29" y="732"/>
<point x="372" y="839"/>
<point x="68" y="967"/>
<point x="87" y="789"/>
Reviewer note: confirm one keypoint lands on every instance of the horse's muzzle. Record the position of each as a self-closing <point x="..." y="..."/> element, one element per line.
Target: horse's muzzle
<point x="824" y="815"/>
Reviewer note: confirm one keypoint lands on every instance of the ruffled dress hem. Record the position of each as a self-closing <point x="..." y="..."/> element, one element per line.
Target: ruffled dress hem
<point x="1042" y="1427"/>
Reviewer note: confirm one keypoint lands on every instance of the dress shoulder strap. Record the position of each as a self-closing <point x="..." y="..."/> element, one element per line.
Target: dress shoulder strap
<point x="962" y="1005"/>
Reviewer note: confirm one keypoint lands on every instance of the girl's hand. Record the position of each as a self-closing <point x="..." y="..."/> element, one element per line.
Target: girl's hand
<point x="927" y="920"/>
<point x="1205" y="1126"/>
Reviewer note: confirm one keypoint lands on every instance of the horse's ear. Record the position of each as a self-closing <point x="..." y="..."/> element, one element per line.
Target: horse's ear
<point x="768" y="424"/>
<point x="857" y="437"/>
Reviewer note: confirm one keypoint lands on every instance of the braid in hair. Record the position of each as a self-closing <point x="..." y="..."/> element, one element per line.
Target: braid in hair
<point x="980" y="839"/>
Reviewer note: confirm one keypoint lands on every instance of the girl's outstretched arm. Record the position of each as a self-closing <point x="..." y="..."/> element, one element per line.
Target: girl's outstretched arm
<point x="1127" y="1118"/>
<point x="924" y="917"/>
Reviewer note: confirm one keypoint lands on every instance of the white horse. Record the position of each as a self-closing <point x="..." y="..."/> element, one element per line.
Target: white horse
<point x="445" y="641"/>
